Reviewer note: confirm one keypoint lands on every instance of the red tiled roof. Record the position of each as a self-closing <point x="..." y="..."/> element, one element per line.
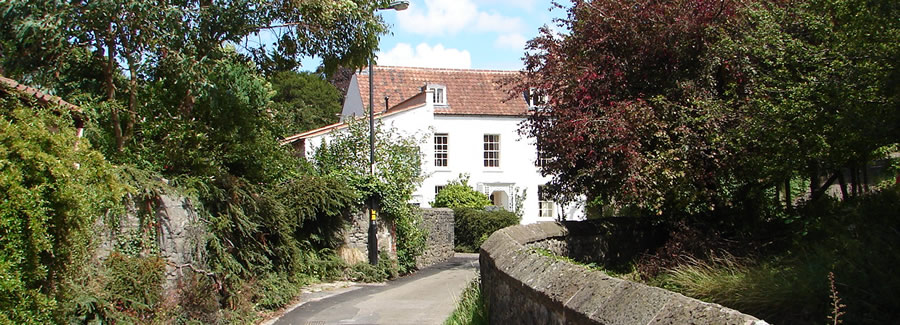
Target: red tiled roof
<point x="469" y="92"/>
<point x="39" y="95"/>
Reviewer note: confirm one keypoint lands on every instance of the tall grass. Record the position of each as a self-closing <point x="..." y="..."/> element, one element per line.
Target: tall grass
<point x="470" y="310"/>
<point x="857" y="241"/>
<point x="771" y="291"/>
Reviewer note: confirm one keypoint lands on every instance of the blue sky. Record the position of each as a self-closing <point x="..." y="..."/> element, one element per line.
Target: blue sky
<point x="476" y="34"/>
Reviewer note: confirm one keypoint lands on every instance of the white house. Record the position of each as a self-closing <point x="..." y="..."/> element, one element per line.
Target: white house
<point x="471" y="127"/>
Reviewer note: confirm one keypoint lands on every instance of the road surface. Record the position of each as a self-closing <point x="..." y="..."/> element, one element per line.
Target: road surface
<point x="426" y="297"/>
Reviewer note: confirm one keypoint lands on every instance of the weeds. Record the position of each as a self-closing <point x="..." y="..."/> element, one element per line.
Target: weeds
<point x="836" y="305"/>
<point x="470" y="310"/>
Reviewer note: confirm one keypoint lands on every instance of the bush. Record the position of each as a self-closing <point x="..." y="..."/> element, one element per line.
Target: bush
<point x="134" y="284"/>
<point x="474" y="226"/>
<point x="55" y="187"/>
<point x="458" y="194"/>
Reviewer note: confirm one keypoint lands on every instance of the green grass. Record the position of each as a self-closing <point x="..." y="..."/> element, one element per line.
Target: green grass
<point x="470" y="310"/>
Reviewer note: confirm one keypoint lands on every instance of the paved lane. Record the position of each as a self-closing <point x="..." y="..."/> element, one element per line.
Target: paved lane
<point x="427" y="297"/>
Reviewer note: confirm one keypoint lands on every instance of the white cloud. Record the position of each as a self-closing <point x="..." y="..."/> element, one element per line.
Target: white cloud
<point x="438" y="17"/>
<point x="498" y="23"/>
<point x="427" y="56"/>
<point x="443" y="17"/>
<point x="513" y="41"/>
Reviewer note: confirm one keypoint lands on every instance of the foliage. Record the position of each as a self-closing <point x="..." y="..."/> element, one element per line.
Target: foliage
<point x="458" y="194"/>
<point x="56" y="187"/>
<point x="470" y="307"/>
<point x="134" y="284"/>
<point x="685" y="107"/>
<point x="854" y="240"/>
<point x="397" y="173"/>
<point x="473" y="226"/>
<point x="303" y="101"/>
<point x="176" y="100"/>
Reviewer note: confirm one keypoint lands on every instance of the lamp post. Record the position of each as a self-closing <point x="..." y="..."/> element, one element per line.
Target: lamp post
<point x="373" y="227"/>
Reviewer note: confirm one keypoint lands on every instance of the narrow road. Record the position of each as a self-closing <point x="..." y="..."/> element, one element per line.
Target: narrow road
<point x="426" y="297"/>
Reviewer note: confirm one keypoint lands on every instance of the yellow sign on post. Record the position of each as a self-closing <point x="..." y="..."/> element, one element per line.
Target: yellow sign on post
<point x="373" y="214"/>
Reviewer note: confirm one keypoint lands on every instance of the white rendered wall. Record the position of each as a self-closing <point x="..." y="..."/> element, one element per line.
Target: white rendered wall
<point x="465" y="133"/>
<point x="465" y="141"/>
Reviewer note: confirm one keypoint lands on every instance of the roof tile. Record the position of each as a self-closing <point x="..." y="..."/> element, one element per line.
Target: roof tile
<point x="469" y="92"/>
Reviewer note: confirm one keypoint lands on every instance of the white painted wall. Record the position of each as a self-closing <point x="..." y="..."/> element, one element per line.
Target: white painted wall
<point x="465" y="133"/>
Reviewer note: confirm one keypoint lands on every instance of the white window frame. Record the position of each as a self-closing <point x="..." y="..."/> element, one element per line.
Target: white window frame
<point x="438" y="188"/>
<point x="439" y="94"/>
<point x="542" y="159"/>
<point x="535" y="98"/>
<point x="491" y="157"/>
<point x="546" y="207"/>
<point x="441" y="150"/>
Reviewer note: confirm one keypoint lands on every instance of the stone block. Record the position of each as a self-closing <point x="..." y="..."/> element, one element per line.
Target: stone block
<point x="684" y="310"/>
<point x="635" y="304"/>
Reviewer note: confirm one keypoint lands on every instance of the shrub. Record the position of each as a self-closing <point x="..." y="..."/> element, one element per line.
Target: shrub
<point x="55" y="187"/>
<point x="134" y="284"/>
<point x="458" y="194"/>
<point x="473" y="226"/>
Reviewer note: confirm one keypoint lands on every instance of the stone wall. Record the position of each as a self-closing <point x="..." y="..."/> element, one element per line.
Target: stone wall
<point x="439" y="244"/>
<point x="179" y="234"/>
<point x="522" y="286"/>
<point x="356" y="238"/>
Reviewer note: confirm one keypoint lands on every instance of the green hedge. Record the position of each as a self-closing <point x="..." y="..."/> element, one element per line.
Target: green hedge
<point x="473" y="226"/>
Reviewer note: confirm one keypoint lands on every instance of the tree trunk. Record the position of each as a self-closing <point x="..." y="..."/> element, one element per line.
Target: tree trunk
<point x="787" y="193"/>
<point x="777" y="194"/>
<point x="843" y="184"/>
<point x="865" y="171"/>
<point x="109" y="70"/>
<point x="813" y="179"/>
<point x="132" y="101"/>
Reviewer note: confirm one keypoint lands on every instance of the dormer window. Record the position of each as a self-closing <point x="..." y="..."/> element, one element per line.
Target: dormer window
<point x="438" y="93"/>
<point x="535" y="98"/>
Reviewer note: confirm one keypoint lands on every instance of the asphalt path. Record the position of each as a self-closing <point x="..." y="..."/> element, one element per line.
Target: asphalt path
<point x="426" y="297"/>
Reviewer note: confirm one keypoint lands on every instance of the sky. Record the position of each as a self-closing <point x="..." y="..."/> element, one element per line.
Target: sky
<point x="462" y="34"/>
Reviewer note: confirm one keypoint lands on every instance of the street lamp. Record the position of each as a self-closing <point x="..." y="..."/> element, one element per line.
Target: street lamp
<point x="373" y="227"/>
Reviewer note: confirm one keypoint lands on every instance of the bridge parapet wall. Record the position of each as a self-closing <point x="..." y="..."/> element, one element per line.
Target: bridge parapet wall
<point x="523" y="286"/>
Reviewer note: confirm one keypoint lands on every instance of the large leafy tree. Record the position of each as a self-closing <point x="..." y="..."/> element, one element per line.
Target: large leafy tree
<point x="134" y="43"/>
<point x="694" y="106"/>
<point x="304" y="101"/>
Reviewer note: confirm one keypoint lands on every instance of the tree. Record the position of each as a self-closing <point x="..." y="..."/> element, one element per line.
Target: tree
<point x="397" y="174"/>
<point x="303" y="101"/>
<point x="686" y="107"/>
<point x="41" y="39"/>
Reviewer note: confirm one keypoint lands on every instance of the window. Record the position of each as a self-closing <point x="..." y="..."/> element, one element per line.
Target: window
<point x="535" y="98"/>
<point x="542" y="158"/>
<point x="438" y="188"/>
<point x="440" y="149"/>
<point x="439" y="94"/>
<point x="491" y="150"/>
<point x="545" y="205"/>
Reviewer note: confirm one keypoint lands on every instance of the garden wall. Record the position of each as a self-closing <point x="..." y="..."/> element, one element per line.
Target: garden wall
<point x="439" y="244"/>
<point x="523" y="286"/>
<point x="180" y="239"/>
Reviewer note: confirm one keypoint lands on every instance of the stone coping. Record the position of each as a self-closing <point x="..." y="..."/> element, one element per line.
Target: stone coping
<point x="573" y="294"/>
